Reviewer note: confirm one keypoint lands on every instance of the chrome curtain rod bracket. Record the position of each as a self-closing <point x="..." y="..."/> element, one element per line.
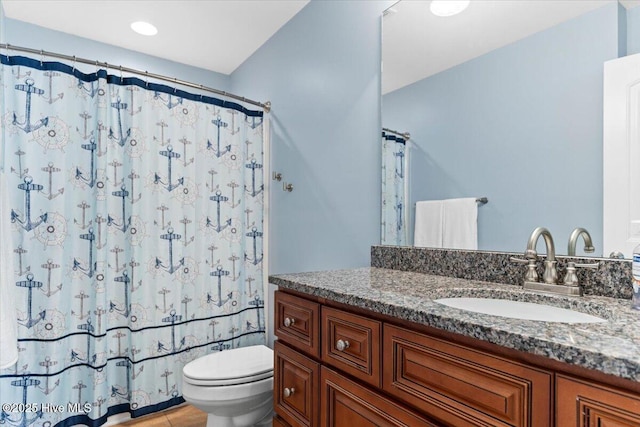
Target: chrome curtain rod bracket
<point x="405" y="135"/>
<point x="266" y="106"/>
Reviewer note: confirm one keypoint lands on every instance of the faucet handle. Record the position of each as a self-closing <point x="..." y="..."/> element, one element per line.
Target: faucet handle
<point x="592" y="265"/>
<point x="571" y="278"/>
<point x="532" y="273"/>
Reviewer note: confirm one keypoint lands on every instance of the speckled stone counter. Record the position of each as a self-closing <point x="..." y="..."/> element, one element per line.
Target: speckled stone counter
<point x="612" y="347"/>
<point x="612" y="278"/>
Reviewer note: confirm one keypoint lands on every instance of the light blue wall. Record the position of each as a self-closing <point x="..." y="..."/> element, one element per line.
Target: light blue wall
<point x="633" y="30"/>
<point x="28" y="35"/>
<point x="622" y="31"/>
<point x="321" y="71"/>
<point x="522" y="126"/>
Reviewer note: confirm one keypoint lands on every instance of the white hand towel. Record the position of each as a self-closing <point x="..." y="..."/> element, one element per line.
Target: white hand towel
<point x="460" y="224"/>
<point x="428" y="224"/>
<point x="8" y="315"/>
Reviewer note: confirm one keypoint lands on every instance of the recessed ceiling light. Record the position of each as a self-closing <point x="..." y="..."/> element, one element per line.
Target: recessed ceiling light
<point x="448" y="7"/>
<point x="144" y="28"/>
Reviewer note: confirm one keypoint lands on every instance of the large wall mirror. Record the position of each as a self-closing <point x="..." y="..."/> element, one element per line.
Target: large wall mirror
<point x="505" y="101"/>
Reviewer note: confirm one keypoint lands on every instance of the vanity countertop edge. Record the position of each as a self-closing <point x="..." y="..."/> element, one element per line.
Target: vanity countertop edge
<point x="611" y="347"/>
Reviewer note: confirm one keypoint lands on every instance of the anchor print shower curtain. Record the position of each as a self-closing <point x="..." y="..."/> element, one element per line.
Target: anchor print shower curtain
<point x="137" y="215"/>
<point x="394" y="190"/>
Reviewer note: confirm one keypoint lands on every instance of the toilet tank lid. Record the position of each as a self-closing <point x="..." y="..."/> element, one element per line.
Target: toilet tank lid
<point x="236" y="363"/>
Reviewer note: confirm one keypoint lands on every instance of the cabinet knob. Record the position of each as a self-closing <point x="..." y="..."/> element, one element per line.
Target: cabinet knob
<point x="288" y="321"/>
<point x="342" y="345"/>
<point x="288" y="391"/>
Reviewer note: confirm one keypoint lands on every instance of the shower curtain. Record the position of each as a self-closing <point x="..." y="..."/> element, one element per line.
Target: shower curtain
<point x="394" y="190"/>
<point x="137" y="214"/>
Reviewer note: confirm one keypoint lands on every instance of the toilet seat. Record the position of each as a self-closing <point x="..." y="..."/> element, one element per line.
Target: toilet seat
<point x="230" y="367"/>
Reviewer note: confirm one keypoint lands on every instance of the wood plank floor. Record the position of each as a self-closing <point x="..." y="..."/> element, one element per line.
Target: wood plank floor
<point x="183" y="416"/>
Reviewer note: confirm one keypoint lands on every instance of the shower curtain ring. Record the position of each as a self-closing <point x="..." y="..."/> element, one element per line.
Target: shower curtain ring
<point x="41" y="56"/>
<point x="146" y="79"/>
<point x="121" y="74"/>
<point x="74" y="64"/>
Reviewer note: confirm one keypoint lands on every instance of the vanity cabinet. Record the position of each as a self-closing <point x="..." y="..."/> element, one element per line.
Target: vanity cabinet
<point x="584" y="404"/>
<point x="341" y="366"/>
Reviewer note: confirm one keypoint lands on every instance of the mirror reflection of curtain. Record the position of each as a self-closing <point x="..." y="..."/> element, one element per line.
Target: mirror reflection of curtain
<point x="394" y="189"/>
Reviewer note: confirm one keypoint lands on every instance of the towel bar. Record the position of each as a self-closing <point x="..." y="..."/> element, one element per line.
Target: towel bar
<point x="480" y="200"/>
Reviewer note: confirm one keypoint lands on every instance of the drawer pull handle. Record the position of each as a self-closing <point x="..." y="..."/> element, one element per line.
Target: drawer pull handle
<point x="289" y="391"/>
<point x="288" y="321"/>
<point x="342" y="345"/>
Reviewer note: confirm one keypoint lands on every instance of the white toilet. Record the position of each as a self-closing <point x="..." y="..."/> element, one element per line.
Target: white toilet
<point x="234" y="387"/>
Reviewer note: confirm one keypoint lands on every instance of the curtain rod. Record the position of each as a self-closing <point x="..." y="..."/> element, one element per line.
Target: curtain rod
<point x="9" y="47"/>
<point x="405" y="135"/>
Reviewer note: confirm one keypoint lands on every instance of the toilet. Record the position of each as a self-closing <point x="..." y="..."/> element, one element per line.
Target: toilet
<point x="234" y="387"/>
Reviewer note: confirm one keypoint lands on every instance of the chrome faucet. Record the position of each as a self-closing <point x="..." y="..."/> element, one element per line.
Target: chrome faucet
<point x="571" y="278"/>
<point x="573" y="241"/>
<point x="550" y="273"/>
<point x="550" y="277"/>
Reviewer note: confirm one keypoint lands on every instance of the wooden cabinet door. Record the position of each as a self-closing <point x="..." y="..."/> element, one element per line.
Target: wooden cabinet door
<point x="346" y="403"/>
<point x="298" y="322"/>
<point x="461" y="386"/>
<point x="583" y="404"/>
<point x="352" y="343"/>
<point x="295" y="387"/>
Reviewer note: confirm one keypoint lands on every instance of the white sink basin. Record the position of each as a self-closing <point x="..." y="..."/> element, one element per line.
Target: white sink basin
<point x="519" y="310"/>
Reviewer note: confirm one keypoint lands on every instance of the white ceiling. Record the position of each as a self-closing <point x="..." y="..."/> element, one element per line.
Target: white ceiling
<point x="214" y="35"/>
<point x="418" y="44"/>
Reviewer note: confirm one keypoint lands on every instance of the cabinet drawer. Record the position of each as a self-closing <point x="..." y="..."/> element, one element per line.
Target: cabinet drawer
<point x="345" y="403"/>
<point x="298" y="322"/>
<point x="579" y="403"/>
<point x="352" y="343"/>
<point x="295" y="388"/>
<point x="461" y="386"/>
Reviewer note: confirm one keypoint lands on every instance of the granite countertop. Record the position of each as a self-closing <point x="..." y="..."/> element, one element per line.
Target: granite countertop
<point x="612" y="347"/>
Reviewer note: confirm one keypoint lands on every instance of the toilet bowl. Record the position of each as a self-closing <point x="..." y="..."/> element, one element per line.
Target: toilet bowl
<point x="234" y="387"/>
